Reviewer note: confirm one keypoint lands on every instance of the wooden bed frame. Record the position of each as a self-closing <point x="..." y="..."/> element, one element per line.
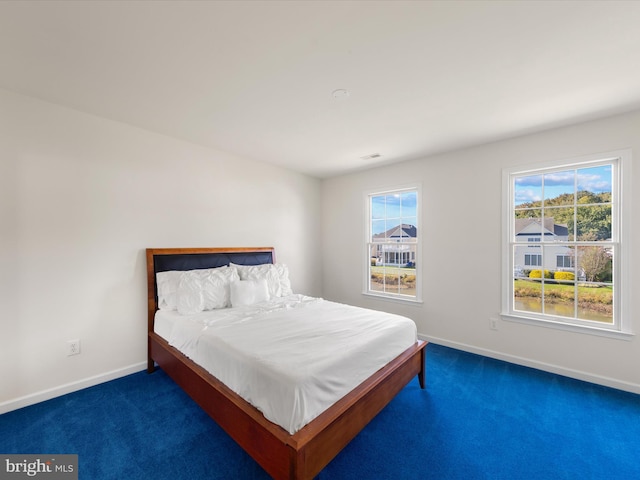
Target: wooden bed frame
<point x="282" y="455"/>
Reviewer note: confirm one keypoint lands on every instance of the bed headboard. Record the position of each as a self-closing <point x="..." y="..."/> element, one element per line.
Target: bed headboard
<point x="165" y="259"/>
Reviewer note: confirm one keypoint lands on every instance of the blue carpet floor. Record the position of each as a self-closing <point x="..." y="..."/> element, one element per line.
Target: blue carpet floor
<point x="478" y="418"/>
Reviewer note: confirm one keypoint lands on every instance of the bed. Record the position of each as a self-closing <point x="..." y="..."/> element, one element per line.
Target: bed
<point x="299" y="453"/>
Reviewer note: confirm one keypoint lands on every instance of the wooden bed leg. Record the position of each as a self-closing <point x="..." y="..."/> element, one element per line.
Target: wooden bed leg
<point x="421" y="374"/>
<point x="151" y="364"/>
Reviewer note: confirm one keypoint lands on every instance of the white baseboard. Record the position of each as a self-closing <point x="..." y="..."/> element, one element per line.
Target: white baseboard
<point x="54" y="392"/>
<point x="547" y="367"/>
<point x="44" y="395"/>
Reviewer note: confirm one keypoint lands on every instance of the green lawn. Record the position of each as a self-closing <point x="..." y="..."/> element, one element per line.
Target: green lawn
<point x="590" y="294"/>
<point x="393" y="270"/>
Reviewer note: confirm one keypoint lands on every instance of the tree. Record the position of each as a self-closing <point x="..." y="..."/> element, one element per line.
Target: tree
<point x="596" y="263"/>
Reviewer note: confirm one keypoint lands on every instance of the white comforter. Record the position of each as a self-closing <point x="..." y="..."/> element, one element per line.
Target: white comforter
<point x="292" y="357"/>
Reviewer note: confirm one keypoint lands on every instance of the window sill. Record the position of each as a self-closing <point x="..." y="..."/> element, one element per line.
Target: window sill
<point x="584" y="329"/>
<point x="411" y="301"/>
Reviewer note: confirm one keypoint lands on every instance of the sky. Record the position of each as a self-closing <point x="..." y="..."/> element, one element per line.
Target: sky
<point x="593" y="179"/>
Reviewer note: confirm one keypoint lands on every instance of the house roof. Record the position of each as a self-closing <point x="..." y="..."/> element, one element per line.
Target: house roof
<point x="403" y="230"/>
<point x="532" y="226"/>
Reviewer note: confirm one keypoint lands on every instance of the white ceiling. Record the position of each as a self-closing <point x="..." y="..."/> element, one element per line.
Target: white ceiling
<point x="255" y="78"/>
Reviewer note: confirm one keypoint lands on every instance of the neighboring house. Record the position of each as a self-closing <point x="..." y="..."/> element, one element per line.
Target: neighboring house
<point x="397" y="246"/>
<point x="533" y="231"/>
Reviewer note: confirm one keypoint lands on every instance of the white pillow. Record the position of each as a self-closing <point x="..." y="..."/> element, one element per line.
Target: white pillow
<point x="249" y="292"/>
<point x="276" y="275"/>
<point x="245" y="271"/>
<point x="167" y="283"/>
<point x="189" y="298"/>
<point x="285" y="283"/>
<point x="212" y="286"/>
<point x="215" y="286"/>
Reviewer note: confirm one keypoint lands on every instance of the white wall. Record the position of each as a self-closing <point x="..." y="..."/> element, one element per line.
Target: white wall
<point x="80" y="199"/>
<point x="462" y="289"/>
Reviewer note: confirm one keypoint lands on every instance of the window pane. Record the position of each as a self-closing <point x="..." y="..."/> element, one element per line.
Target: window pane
<point x="527" y="293"/>
<point x="594" y="223"/>
<point x="391" y="279"/>
<point x="518" y="261"/>
<point x="595" y="179"/>
<point x="595" y="289"/>
<point x="565" y="262"/>
<point x="559" y="188"/>
<point x="375" y="255"/>
<point x="377" y="279"/>
<point x="595" y="263"/>
<point x="408" y="281"/>
<point x="560" y="288"/>
<point x="528" y="229"/>
<point x="559" y="300"/>
<point x="595" y="303"/>
<point x="528" y="191"/>
<point x="594" y="203"/>
<point x="378" y="227"/>
<point x="558" y="224"/>
<point x="378" y="206"/>
<point x="393" y="209"/>
<point x="410" y="232"/>
<point x="409" y="202"/>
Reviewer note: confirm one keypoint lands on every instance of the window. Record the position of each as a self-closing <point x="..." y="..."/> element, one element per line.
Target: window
<point x="392" y="244"/>
<point x="573" y="211"/>
<point x="564" y="261"/>
<point x="532" y="260"/>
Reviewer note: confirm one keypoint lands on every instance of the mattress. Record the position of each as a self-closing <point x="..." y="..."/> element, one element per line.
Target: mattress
<point x="291" y="357"/>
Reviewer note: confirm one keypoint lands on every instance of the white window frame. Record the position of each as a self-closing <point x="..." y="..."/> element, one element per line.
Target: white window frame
<point x="621" y="228"/>
<point x="366" y="290"/>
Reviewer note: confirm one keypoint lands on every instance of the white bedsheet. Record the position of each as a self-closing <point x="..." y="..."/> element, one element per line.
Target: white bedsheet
<point x="291" y="357"/>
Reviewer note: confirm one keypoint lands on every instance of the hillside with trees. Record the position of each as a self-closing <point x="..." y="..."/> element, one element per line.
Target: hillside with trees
<point x="592" y="215"/>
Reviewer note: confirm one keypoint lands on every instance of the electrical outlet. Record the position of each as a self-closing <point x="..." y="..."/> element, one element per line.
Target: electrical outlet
<point x="493" y="323"/>
<point x="73" y="347"/>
